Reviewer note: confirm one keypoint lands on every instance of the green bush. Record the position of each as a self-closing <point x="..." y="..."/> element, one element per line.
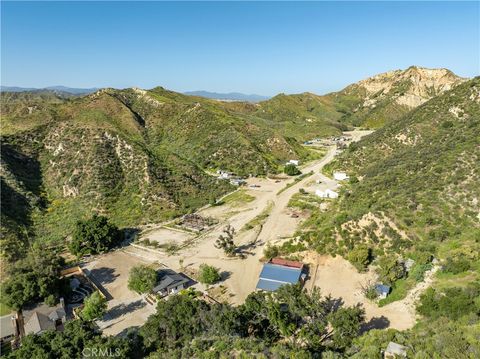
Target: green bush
<point x="360" y="257"/>
<point x="456" y="265"/>
<point x="94" y="307"/>
<point x="208" y="274"/>
<point x="142" y="279"/>
<point x="291" y="170"/>
<point x="452" y="303"/>
<point x="390" y="269"/>
<point x="271" y="251"/>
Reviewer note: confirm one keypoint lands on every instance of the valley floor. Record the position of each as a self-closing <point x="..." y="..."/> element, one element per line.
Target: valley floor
<point x="334" y="276"/>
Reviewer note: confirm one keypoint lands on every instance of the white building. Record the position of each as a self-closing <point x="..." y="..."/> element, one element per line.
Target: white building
<point x="224" y="174"/>
<point x="340" y="176"/>
<point x="293" y="162"/>
<point x="326" y="194"/>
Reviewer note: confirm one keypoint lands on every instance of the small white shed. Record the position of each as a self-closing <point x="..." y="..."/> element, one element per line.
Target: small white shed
<point x="340" y="176"/>
<point x="328" y="193"/>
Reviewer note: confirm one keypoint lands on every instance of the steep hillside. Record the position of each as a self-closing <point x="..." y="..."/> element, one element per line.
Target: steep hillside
<point x="139" y="156"/>
<point x="301" y="116"/>
<point x="61" y="161"/>
<point x="386" y="97"/>
<point x="418" y="185"/>
<point x="208" y="133"/>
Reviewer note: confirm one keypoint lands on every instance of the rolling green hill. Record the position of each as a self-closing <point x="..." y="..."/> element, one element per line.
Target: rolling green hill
<point x="138" y="156"/>
<point x="417" y="190"/>
<point x="144" y="155"/>
<point x="301" y="116"/>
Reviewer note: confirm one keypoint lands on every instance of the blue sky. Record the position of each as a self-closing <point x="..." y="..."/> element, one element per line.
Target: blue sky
<point x="263" y="48"/>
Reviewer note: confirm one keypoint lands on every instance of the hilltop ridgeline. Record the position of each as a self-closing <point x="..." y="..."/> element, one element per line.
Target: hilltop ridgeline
<point x="143" y="156"/>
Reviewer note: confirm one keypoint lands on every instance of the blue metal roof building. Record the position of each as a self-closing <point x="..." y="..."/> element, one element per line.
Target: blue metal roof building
<point x="273" y="276"/>
<point x="382" y="290"/>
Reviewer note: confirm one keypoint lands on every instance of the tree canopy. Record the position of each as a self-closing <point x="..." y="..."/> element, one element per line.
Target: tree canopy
<point x="142" y="279"/>
<point x="208" y="274"/>
<point x="289" y="320"/>
<point x="34" y="278"/>
<point x="94" y="235"/>
<point x="95" y="306"/>
<point x="291" y="170"/>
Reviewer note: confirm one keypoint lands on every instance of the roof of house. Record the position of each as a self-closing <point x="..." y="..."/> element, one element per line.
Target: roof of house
<point x="42" y="317"/>
<point x="382" y="288"/>
<point x="397" y="349"/>
<point x="286" y="262"/>
<point x="273" y="276"/>
<point x="6" y="326"/>
<point x="169" y="279"/>
<point x="37" y="323"/>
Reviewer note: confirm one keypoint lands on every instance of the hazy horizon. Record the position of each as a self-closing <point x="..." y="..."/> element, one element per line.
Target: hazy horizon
<point x="250" y="48"/>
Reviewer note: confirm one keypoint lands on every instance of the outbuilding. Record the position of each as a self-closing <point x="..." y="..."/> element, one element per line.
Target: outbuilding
<point x="328" y="193"/>
<point x="382" y="290"/>
<point x="340" y="176"/>
<point x="278" y="272"/>
<point x="169" y="282"/>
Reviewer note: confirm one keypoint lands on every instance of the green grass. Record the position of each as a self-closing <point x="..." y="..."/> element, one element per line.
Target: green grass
<point x="238" y="197"/>
<point x="399" y="291"/>
<point x="260" y="219"/>
<point x="4" y="309"/>
<point x="304" y="201"/>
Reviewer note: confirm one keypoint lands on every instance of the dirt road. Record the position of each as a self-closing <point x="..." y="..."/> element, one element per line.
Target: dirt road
<point x="243" y="273"/>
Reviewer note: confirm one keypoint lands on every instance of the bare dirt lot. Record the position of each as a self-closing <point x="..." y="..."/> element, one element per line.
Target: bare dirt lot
<point x="337" y="277"/>
<point x="165" y="235"/>
<point x="125" y="308"/>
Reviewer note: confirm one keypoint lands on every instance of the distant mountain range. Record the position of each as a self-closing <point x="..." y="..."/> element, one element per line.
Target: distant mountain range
<point x="231" y="96"/>
<point x="70" y="90"/>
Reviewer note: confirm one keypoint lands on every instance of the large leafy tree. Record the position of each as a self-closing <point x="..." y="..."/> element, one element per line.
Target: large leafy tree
<point x="289" y="318"/>
<point x="78" y="340"/>
<point x="34" y="278"/>
<point x="346" y="325"/>
<point x="291" y="170"/>
<point x="94" y="235"/>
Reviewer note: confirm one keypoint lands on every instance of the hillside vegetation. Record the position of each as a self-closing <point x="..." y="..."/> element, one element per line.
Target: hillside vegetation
<point x="418" y="189"/>
<point x="137" y="156"/>
<point x="384" y="98"/>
